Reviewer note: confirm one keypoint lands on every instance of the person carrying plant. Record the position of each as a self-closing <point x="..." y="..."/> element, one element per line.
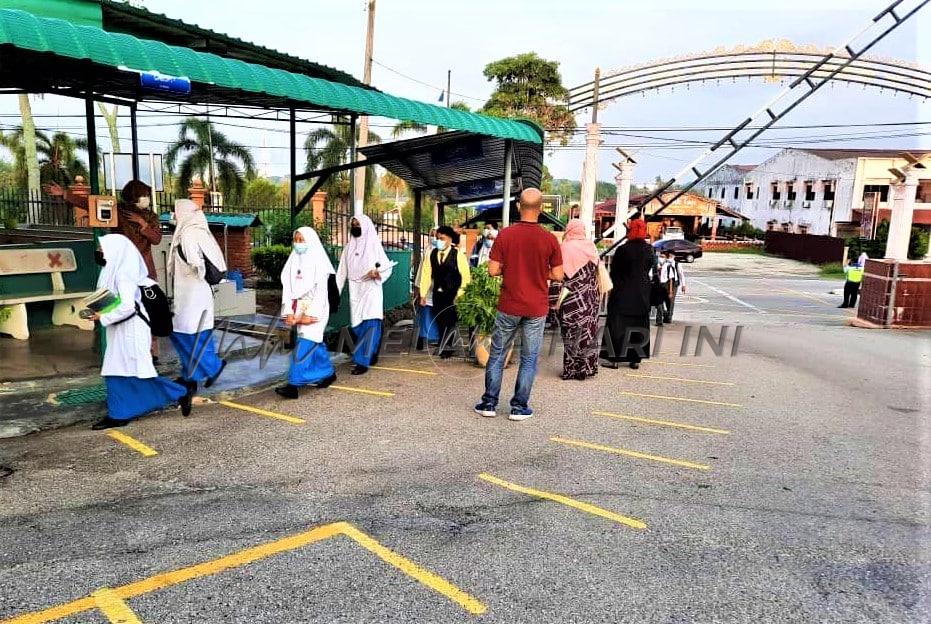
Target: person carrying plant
<point x="447" y="273"/>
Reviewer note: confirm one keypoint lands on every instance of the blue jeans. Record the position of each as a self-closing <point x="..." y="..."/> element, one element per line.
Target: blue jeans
<point x="531" y="340"/>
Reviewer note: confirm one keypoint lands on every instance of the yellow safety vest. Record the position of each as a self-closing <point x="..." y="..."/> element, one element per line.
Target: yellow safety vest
<point x="854" y="274"/>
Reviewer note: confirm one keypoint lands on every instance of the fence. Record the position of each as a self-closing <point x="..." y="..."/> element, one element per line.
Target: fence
<point x="22" y="206"/>
<point x="807" y="247"/>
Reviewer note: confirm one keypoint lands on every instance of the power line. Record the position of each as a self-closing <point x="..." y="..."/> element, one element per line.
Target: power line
<point x="426" y="84"/>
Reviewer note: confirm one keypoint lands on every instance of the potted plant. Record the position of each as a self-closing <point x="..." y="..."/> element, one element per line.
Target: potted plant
<point x="477" y="308"/>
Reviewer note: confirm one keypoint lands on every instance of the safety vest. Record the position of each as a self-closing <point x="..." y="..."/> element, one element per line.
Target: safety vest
<point x="854" y="274"/>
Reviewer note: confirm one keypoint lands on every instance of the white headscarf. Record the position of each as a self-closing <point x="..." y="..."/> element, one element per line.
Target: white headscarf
<point x="192" y="235"/>
<point x="364" y="252"/>
<point x="862" y="259"/>
<point x="124" y="263"/>
<point x="308" y="265"/>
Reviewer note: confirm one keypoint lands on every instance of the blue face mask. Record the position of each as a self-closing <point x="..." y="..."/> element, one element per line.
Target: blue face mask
<point x="440" y="244"/>
<point x="300" y="248"/>
<point x="488" y="242"/>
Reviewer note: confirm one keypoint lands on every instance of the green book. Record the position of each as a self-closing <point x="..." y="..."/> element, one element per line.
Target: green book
<point x="102" y="301"/>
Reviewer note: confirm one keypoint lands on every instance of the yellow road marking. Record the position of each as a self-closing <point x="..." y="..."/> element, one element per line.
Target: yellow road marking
<point x="363" y="391"/>
<point x="404" y="370"/>
<point x="672" y="398"/>
<point x="112" y="606"/>
<point x="133" y="443"/>
<point x="663" y="423"/>
<point x="250" y="555"/>
<point x="294" y="420"/>
<point x="565" y="500"/>
<point x="676" y="364"/>
<point x="637" y="454"/>
<point x="408" y="567"/>
<point x="683" y="379"/>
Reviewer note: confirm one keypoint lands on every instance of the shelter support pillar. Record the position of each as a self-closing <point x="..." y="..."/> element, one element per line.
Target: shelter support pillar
<point x="714" y="227"/>
<point x="418" y="229"/>
<point x="292" y="177"/>
<point x="93" y="164"/>
<point x="506" y="202"/>
<point x="197" y="193"/>
<point x="903" y="209"/>
<point x="134" y="133"/>
<point x="440" y="212"/>
<point x="622" y="181"/>
<point x="589" y="178"/>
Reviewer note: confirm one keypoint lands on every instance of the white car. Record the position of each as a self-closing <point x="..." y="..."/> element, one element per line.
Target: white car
<point x="673" y="233"/>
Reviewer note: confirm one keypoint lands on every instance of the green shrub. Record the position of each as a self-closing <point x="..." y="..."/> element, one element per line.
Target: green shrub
<point x="478" y="305"/>
<point x="270" y="260"/>
<point x="278" y="226"/>
<point x="831" y="269"/>
<point x="876" y="248"/>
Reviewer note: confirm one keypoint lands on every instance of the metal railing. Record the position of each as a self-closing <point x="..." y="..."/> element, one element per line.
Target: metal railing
<point x="21" y="206"/>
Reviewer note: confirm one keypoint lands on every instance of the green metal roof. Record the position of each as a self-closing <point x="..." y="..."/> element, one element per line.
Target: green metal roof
<point x="231" y="219"/>
<point x="25" y="31"/>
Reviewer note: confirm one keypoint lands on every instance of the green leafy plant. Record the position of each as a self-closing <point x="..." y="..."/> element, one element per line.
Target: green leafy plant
<point x="270" y="260"/>
<point x="831" y="269"/>
<point x="478" y="305"/>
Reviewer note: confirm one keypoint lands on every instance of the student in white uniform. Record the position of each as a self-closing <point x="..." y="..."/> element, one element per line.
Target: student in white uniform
<point x="133" y="386"/>
<point x="305" y="304"/>
<point x="366" y="267"/>
<point x="191" y="247"/>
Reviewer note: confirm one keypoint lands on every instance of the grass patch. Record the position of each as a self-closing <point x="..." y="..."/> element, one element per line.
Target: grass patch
<point x="831" y="269"/>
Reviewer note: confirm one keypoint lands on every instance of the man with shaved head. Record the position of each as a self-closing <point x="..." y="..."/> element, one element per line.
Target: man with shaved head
<point x="526" y="256"/>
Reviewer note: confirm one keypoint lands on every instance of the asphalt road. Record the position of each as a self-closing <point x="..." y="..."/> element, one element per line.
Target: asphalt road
<point x="801" y="494"/>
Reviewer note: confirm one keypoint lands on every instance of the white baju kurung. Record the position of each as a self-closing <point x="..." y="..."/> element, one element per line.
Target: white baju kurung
<point x="360" y="255"/>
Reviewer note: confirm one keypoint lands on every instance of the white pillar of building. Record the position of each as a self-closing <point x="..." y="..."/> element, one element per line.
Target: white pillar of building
<point x="590" y="178"/>
<point x="622" y="181"/>
<point x="900" y="225"/>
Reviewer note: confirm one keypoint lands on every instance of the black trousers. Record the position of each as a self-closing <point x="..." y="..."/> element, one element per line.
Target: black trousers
<point x="851" y="290"/>
<point x="446" y="319"/>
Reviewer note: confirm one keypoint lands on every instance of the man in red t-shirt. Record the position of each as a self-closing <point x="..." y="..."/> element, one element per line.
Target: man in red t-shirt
<point x="526" y="256"/>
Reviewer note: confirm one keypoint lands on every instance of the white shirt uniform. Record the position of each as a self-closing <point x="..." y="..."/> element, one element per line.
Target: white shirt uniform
<point x="304" y="280"/>
<point x="360" y="255"/>
<point x="129" y="343"/>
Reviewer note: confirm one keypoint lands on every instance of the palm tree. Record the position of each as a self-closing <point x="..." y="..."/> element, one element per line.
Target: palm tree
<point x="329" y="147"/>
<point x="406" y="126"/>
<point x="229" y="166"/>
<point x="56" y="158"/>
<point x="393" y="184"/>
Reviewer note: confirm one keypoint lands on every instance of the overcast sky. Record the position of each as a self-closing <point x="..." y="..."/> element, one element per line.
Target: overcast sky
<point x="421" y="39"/>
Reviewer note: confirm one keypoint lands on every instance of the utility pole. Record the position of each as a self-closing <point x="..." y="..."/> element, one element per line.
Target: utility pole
<point x="449" y="81"/>
<point x="359" y="185"/>
<point x="590" y="166"/>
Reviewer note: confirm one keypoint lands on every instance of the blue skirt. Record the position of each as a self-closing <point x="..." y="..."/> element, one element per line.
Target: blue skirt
<point x="428" y="329"/>
<point x="367" y="335"/>
<point x="129" y="397"/>
<point x="197" y="354"/>
<point x="310" y="363"/>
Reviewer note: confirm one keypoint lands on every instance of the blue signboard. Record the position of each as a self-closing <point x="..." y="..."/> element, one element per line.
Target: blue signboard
<point x="163" y="83"/>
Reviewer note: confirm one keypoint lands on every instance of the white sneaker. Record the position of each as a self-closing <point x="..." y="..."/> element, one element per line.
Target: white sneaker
<point x="519" y="416"/>
<point x="485" y="410"/>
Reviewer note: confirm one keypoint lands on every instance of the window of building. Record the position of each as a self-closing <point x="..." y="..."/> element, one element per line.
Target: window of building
<point x="923" y="192"/>
<point x="710" y="191"/>
<point x="748" y="190"/>
<point x="775" y="189"/>
<point x="829" y="190"/>
<point x="736" y="192"/>
<point x="809" y="191"/>
<point x="882" y="189"/>
<point x="803" y="229"/>
<point x="790" y="191"/>
<point x="786" y="227"/>
<point x="722" y="192"/>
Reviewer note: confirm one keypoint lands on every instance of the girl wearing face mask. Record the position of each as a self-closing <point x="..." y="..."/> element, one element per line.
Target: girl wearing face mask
<point x="306" y="305"/>
<point x="191" y="246"/>
<point x="365" y="266"/>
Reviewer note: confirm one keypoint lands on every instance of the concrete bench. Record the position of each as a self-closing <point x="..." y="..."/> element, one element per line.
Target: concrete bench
<point x="54" y="262"/>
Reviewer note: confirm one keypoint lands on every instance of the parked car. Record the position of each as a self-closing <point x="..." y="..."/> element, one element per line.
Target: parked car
<point x="672" y="232"/>
<point x="683" y="250"/>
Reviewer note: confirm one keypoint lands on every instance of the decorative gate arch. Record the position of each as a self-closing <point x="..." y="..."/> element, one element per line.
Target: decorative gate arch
<point x="770" y="60"/>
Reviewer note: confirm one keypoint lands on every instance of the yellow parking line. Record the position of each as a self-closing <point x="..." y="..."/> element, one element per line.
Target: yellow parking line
<point x="404" y="370"/>
<point x="682" y="379"/>
<point x="672" y="398"/>
<point x="676" y="364"/>
<point x="251" y="555"/>
<point x="637" y="454"/>
<point x="133" y="443"/>
<point x="112" y="606"/>
<point x="663" y="423"/>
<point x="294" y="420"/>
<point x="565" y="500"/>
<point x="408" y="567"/>
<point x="363" y="391"/>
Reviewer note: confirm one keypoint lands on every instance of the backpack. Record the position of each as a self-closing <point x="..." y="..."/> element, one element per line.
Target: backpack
<point x="157" y="311"/>
<point x="333" y="294"/>
<point x="212" y="275"/>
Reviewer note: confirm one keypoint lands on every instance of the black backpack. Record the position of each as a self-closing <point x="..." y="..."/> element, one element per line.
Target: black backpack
<point x="157" y="311"/>
<point x="212" y="275"/>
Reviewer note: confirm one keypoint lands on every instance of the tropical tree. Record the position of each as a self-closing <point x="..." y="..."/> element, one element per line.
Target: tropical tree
<point x="403" y="127"/>
<point x="393" y="184"/>
<point x="227" y="168"/>
<point x="528" y="86"/>
<point x="329" y="147"/>
<point x="263" y="193"/>
<point x="56" y="157"/>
